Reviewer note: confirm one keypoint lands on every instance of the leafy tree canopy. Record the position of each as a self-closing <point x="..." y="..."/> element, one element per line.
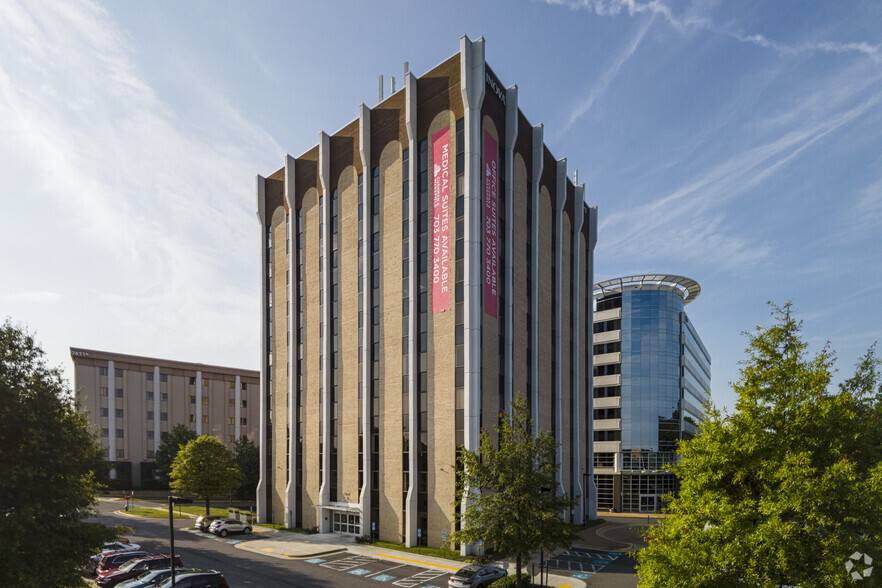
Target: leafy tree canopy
<point x="248" y="459"/>
<point x="512" y="503"/>
<point x="204" y="467"/>
<point x="51" y="464"/>
<point x="168" y="449"/>
<point x="784" y="491"/>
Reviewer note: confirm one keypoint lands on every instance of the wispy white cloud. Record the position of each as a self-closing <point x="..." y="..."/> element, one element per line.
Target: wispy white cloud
<point x="601" y="86"/>
<point x="686" y="22"/>
<point x="38" y="296"/>
<point x="168" y="205"/>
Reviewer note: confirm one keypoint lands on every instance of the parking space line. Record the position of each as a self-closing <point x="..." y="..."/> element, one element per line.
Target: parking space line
<point x="386" y="570"/>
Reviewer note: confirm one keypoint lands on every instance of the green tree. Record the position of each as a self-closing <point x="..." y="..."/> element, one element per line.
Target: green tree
<point x="248" y="459"/>
<point x="51" y="464"/>
<point x="782" y="492"/>
<point x="204" y="467"/>
<point x="168" y="449"/>
<point x="512" y="500"/>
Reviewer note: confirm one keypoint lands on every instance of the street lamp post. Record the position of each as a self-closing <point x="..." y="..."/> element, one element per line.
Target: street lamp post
<point x="171" y="530"/>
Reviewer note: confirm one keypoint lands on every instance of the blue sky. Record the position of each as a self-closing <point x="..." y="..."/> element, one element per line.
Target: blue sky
<point x="736" y="143"/>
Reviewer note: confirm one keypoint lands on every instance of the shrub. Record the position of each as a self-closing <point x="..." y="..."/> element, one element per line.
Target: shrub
<point x="510" y="581"/>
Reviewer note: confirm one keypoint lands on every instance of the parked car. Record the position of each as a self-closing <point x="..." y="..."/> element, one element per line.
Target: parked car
<point x="114" y="559"/>
<point x="153" y="578"/>
<point x="475" y="576"/>
<point x="203" y="522"/>
<point x="114" y="546"/>
<point x="224" y="527"/>
<point x="135" y="567"/>
<point x="198" y="579"/>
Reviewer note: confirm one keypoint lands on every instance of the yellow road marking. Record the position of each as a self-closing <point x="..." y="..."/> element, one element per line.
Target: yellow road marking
<point x="425" y="563"/>
<point x="566" y="586"/>
<point x="268" y="549"/>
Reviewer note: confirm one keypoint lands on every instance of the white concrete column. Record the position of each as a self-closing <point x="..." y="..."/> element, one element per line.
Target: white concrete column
<point x="410" y="117"/>
<point x="538" y="167"/>
<point x="262" y="502"/>
<point x="111" y="416"/>
<point x="325" y="178"/>
<point x="364" y="150"/>
<point x="511" y="135"/>
<point x="579" y="213"/>
<point x="198" y="403"/>
<point x="561" y="199"/>
<point x="472" y="88"/>
<point x="292" y="326"/>
<point x="157" y="393"/>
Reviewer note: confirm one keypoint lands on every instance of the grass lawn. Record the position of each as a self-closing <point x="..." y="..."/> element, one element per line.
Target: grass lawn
<point x="445" y="553"/>
<point x="152" y="513"/>
<point x="200" y="510"/>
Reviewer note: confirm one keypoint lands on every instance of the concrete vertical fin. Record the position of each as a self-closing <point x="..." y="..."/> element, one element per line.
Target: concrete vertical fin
<point x="511" y="135"/>
<point x="263" y="484"/>
<point x="364" y="150"/>
<point x="561" y="199"/>
<point x="575" y="446"/>
<point x="538" y="166"/>
<point x="292" y="326"/>
<point x="324" y="177"/>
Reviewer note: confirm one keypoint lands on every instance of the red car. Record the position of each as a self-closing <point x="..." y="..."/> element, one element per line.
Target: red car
<point x="136" y="567"/>
<point x="114" y="559"/>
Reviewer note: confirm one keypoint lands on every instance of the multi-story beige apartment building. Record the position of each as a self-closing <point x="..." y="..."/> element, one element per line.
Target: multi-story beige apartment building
<point x="420" y="266"/>
<point x="134" y="400"/>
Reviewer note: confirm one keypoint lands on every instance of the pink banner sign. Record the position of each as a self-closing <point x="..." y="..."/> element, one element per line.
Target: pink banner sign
<point x="491" y="243"/>
<point x="441" y="221"/>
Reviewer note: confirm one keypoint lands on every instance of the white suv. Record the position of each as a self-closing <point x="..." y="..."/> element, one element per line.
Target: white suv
<point x="224" y="527"/>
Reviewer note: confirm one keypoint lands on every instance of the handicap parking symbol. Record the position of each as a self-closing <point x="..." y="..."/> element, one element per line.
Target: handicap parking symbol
<point x="383" y="578"/>
<point x="315" y="560"/>
<point x="582" y="576"/>
<point x="360" y="572"/>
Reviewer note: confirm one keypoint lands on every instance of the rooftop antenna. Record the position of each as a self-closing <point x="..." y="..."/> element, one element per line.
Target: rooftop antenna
<point x="406" y="69"/>
<point x="393" y="84"/>
<point x="575" y="177"/>
<point x="381" y="88"/>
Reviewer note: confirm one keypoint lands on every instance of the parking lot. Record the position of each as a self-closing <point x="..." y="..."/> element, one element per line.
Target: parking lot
<point x="392" y="570"/>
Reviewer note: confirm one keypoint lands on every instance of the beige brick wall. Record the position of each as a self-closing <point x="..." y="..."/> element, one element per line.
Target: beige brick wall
<point x="545" y="286"/>
<point x="391" y="521"/>
<point x="347" y="353"/>
<point x="311" y="354"/>
<point x="520" y="309"/>
<point x="565" y="356"/>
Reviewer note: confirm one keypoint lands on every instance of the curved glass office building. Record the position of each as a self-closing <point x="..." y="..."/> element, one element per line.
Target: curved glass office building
<point x="651" y="381"/>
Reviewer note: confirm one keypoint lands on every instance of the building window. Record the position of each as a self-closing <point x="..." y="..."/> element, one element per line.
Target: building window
<point x="163" y="416"/>
<point x="244" y="386"/>
<point x="120" y="454"/>
<point x="102" y="391"/>
<point x="192" y="399"/>
<point x="243" y="421"/>
<point x="104" y="412"/>
<point x="163" y="396"/>
<point x="231" y="402"/>
<point x="192" y="381"/>
<point x="231" y="385"/>
<point x="150" y="454"/>
<point x="192" y="418"/>
<point x="205" y="419"/>
<point x="231" y="420"/>
<point x="231" y="438"/>
<point x="205" y="400"/>
<point x="204" y="382"/>
<point x="119" y="413"/>
<point x="150" y="434"/>
<point x="118" y="392"/>
<point x="102" y="371"/>
<point x="149" y="394"/>
<point x="118" y="372"/>
<point x="120" y="433"/>
<point x="149" y="376"/>
<point x="105" y="433"/>
<point x="244" y="404"/>
<point x="163" y="377"/>
<point x="149" y="415"/>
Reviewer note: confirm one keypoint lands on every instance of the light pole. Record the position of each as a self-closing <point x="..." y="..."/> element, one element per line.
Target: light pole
<point x="171" y="530"/>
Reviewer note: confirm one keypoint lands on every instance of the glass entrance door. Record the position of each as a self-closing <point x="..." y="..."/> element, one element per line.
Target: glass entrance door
<point x="649" y="502"/>
<point x="346" y="523"/>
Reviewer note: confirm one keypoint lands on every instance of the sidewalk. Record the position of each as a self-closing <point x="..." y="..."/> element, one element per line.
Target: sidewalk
<point x="285" y="545"/>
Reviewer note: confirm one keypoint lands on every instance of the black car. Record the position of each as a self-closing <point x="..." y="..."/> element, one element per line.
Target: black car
<point x="200" y="579"/>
